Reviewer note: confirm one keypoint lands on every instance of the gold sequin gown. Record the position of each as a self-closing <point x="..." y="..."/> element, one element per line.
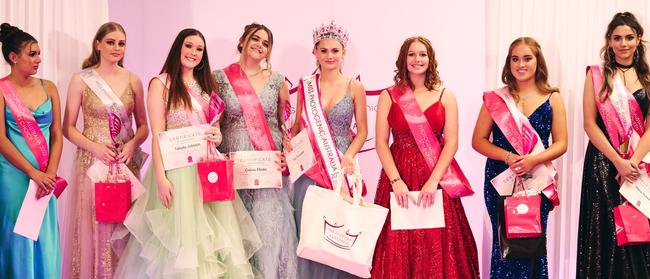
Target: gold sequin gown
<point x="88" y="250"/>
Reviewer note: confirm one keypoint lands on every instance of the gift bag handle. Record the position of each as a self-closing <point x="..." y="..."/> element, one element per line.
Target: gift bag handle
<point x="357" y="188"/>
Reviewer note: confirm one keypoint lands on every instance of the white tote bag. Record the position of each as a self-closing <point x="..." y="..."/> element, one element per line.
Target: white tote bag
<point x="340" y="232"/>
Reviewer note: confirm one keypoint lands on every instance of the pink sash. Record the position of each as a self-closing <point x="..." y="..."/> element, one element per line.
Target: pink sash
<point x="453" y="180"/>
<point x="519" y="133"/>
<point x="258" y="128"/>
<point x="621" y="118"/>
<point x="29" y="129"/>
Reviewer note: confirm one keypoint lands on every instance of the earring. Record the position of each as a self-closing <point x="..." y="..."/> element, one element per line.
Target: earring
<point x="200" y="66"/>
<point x="635" y="59"/>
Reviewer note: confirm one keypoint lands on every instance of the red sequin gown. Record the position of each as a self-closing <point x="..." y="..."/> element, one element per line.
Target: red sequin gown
<point x="448" y="252"/>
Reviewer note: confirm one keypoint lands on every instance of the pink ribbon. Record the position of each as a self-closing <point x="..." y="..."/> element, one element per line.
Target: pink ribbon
<point x="258" y="129"/>
<point x="453" y="180"/>
<point x="612" y="118"/>
<point x="522" y="140"/>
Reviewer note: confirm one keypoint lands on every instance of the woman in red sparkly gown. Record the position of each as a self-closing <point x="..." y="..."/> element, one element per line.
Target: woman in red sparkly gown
<point x="448" y="252"/>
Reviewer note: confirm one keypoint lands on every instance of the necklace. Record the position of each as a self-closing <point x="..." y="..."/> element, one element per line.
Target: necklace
<point x="623" y="73"/>
<point x="255" y="74"/>
<point x="526" y="96"/>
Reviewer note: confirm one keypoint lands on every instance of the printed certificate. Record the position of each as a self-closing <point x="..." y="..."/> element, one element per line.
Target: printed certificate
<point x="183" y="147"/>
<point x="256" y="169"/>
<point x="637" y="193"/>
<point x="301" y="158"/>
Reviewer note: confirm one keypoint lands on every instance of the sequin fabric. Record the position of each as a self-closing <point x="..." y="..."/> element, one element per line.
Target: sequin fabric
<point x="339" y="119"/>
<point x="598" y="254"/>
<point x="88" y="250"/>
<point x="448" y="252"/>
<point x="270" y="209"/>
<point x="541" y="120"/>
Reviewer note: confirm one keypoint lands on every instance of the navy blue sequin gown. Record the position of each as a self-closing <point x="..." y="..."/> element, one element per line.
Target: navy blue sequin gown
<point x="541" y="120"/>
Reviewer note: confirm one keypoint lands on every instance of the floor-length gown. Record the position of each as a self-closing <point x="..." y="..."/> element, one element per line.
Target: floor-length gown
<point x="88" y="250"/>
<point x="339" y="119"/>
<point x="270" y="209"/>
<point x="448" y="252"/>
<point x="541" y="120"/>
<point x="21" y="257"/>
<point x="192" y="239"/>
<point x="598" y="254"/>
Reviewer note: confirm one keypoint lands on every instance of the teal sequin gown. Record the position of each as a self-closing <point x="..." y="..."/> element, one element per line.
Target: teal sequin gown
<point x="21" y="257"/>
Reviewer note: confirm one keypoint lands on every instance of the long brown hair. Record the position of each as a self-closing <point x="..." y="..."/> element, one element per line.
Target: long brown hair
<point x="432" y="78"/>
<point x="177" y="93"/>
<point x="541" y="73"/>
<point x="93" y="59"/>
<point x="640" y="63"/>
<point x="245" y="39"/>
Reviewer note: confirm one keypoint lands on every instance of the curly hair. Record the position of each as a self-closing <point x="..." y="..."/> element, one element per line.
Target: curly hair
<point x="432" y="78"/>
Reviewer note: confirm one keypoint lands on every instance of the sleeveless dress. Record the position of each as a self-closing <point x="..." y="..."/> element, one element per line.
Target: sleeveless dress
<point x="448" y="252"/>
<point x="541" y="120"/>
<point x="339" y="119"/>
<point x="192" y="239"/>
<point x="87" y="248"/>
<point x="598" y="254"/>
<point x="21" y="257"/>
<point x="270" y="209"/>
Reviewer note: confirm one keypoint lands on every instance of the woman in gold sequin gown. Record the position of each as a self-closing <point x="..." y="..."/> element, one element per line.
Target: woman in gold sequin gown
<point x="88" y="247"/>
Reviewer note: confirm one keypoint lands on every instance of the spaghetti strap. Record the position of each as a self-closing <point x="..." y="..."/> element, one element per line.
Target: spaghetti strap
<point x="44" y="88"/>
<point x="441" y="92"/>
<point x="347" y="90"/>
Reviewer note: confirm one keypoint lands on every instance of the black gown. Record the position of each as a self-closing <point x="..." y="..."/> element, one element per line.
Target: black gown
<point x="598" y="254"/>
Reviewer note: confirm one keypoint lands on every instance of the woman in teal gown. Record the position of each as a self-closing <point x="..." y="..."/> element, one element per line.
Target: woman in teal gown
<point x="21" y="257"/>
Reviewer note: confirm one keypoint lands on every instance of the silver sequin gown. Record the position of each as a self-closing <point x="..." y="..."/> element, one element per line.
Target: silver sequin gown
<point x="270" y="208"/>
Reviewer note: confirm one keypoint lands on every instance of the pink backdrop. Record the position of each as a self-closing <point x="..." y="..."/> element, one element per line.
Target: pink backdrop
<point x="377" y="29"/>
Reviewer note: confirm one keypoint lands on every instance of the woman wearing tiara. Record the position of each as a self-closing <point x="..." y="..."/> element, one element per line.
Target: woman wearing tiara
<point x="341" y="99"/>
<point x="254" y="112"/>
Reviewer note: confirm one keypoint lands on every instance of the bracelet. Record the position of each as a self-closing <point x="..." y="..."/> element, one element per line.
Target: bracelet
<point x="392" y="181"/>
<point x="508" y="157"/>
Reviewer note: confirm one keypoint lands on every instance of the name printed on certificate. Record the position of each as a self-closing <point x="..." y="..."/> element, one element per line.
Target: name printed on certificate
<point x="183" y="147"/>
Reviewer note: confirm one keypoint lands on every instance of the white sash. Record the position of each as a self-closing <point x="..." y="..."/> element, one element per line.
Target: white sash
<point x="108" y="97"/>
<point x="320" y="129"/>
<point x="113" y="104"/>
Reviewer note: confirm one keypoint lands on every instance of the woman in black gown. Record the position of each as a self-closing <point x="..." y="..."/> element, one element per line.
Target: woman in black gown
<point x="598" y="254"/>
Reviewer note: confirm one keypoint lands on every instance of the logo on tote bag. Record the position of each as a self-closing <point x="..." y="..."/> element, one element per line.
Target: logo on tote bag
<point x="338" y="235"/>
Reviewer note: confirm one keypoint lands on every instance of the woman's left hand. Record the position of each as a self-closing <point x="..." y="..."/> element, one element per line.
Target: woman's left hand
<point x="427" y="194"/>
<point x="523" y="165"/>
<point x="213" y="134"/>
<point x="125" y="152"/>
<point x="348" y="164"/>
